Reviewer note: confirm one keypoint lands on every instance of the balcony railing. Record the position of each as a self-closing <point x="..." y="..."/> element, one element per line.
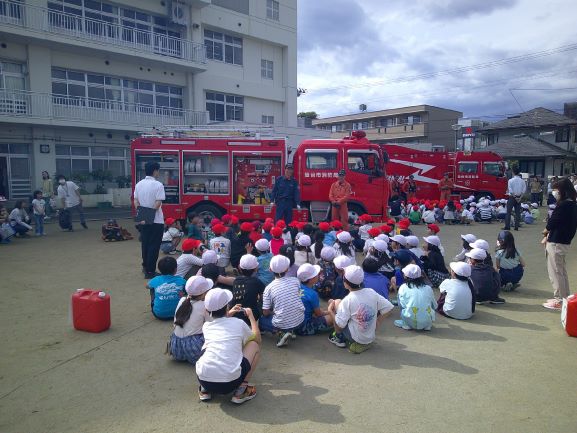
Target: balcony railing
<point x="78" y="27"/>
<point x="20" y="103"/>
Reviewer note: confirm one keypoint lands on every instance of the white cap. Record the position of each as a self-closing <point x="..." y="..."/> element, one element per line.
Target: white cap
<point x="412" y="271"/>
<point x="344" y="237"/>
<point x="480" y="243"/>
<point x="383" y="237"/>
<point x="279" y="264"/>
<point x="461" y="268"/>
<point x="535" y="205"/>
<point x="381" y="246"/>
<point x="400" y="239"/>
<point x="471" y="197"/>
<point x="328" y="253"/>
<point x="552" y="206"/>
<point x="307" y="271"/>
<point x="217" y="298"/>
<point x="477" y="254"/>
<point x="262" y="245"/>
<point x="197" y="285"/>
<point x="525" y="206"/>
<point x="209" y="257"/>
<point x="341" y="262"/>
<point x="503" y="201"/>
<point x="469" y="238"/>
<point x="248" y="262"/>
<point x="433" y="240"/>
<point x="354" y="274"/>
<point x="412" y="241"/>
<point x="304" y="241"/>
<point x="473" y="204"/>
<point x="462" y="201"/>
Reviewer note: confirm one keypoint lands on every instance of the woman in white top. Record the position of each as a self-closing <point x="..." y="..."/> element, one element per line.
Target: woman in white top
<point x="457" y="299"/>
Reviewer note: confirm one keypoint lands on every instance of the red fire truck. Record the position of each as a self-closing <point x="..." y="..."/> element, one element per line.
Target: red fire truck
<point x="473" y="173"/>
<point x="233" y="172"/>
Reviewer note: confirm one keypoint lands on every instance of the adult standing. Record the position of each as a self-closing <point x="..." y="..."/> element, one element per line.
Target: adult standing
<point x="69" y="194"/>
<point x="286" y="195"/>
<point x="410" y="188"/>
<point x="446" y="185"/>
<point x="339" y="195"/>
<point x="536" y="189"/>
<point x="559" y="233"/>
<point x="149" y="193"/>
<point x="516" y="187"/>
<point x="550" y="198"/>
<point x="395" y="187"/>
<point x="47" y="193"/>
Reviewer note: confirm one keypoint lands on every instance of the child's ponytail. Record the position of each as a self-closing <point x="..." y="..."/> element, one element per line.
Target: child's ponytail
<point x="183" y="312"/>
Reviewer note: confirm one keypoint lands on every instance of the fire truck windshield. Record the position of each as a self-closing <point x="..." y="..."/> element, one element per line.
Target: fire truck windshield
<point x="493" y="169"/>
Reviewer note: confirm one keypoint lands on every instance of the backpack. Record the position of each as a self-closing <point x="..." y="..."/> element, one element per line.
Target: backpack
<point x="65" y="219"/>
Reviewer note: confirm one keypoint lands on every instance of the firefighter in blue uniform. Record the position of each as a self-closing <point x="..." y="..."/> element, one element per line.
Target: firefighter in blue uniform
<point x="286" y="195"/>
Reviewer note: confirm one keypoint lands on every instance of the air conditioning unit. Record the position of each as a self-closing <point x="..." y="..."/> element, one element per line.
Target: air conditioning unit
<point x="179" y="13"/>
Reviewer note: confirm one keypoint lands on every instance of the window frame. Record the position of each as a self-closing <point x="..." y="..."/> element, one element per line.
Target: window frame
<point x="273" y="10"/>
<point x="562" y="135"/>
<point x="267" y="120"/>
<point x="322" y="153"/>
<point x="461" y="163"/>
<point x="227" y="43"/>
<point x="227" y="106"/>
<point x="91" y="157"/>
<point x="267" y="69"/>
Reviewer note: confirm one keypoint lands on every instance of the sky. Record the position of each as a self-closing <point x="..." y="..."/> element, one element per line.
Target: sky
<point x="395" y="53"/>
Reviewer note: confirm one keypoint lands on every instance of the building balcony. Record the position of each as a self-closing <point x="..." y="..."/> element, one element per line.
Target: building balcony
<point x="417" y="130"/>
<point x="19" y="106"/>
<point x="53" y="26"/>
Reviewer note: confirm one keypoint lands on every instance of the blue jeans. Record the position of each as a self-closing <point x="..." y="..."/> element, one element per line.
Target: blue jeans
<point x="284" y="211"/>
<point x="39" y="219"/>
<point x="511" y="275"/>
<point x="78" y="208"/>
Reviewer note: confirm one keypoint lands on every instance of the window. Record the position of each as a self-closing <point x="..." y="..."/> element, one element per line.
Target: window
<point x="532" y="167"/>
<point x="363" y="162"/>
<point x="85" y="159"/>
<point x="468" y="167"/>
<point x="411" y="120"/>
<point x="361" y="125"/>
<point x="241" y="6"/>
<point x="390" y="121"/>
<point x="272" y="10"/>
<point x="267" y="120"/>
<point x="223" y="107"/>
<point x="223" y="47"/>
<point x="492" y="139"/>
<point x="493" y="169"/>
<point x="266" y="69"/>
<point x="337" y="128"/>
<point x="12" y="76"/>
<point x="562" y="135"/>
<point x="322" y="160"/>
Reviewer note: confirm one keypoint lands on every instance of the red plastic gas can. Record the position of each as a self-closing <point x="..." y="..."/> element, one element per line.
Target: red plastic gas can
<point x="90" y="310"/>
<point x="569" y="315"/>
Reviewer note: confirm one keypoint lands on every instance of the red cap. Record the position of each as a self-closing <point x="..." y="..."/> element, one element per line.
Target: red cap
<point x="434" y="228"/>
<point x="226" y="218"/>
<point x="214" y="221"/>
<point x="233" y="220"/>
<point x="301" y="225"/>
<point x="246" y="227"/>
<point x="218" y="229"/>
<point x="254" y="236"/>
<point x="294" y="224"/>
<point x="374" y="232"/>
<point x="324" y="226"/>
<point x="386" y="229"/>
<point x="267" y="226"/>
<point x="269" y="220"/>
<point x="403" y="224"/>
<point x="458" y="206"/>
<point x="366" y="218"/>
<point x="190" y="244"/>
<point x="336" y="224"/>
<point x="391" y="222"/>
<point x="415" y="207"/>
<point x="276" y="232"/>
<point x="281" y="224"/>
<point x="169" y="221"/>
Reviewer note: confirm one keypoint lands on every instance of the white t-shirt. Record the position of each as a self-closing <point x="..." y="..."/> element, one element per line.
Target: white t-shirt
<point x="68" y="193"/>
<point x="221" y="246"/>
<point x="224" y="339"/>
<point x="418" y="251"/>
<point x="429" y="217"/>
<point x="368" y="244"/>
<point x="458" y="300"/>
<point x="193" y="325"/>
<point x="301" y="258"/>
<point x="359" y="311"/>
<point x="185" y="262"/>
<point x="170" y="234"/>
<point x="147" y="192"/>
<point x="287" y="238"/>
<point x="39" y="206"/>
<point x="283" y="298"/>
<point x="364" y="231"/>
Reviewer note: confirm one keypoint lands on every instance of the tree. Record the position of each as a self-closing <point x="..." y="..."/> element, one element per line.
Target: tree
<point x="308" y="114"/>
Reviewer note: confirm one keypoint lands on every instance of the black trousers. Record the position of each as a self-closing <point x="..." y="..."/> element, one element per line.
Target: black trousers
<point x="513" y="204"/>
<point x="150" y="238"/>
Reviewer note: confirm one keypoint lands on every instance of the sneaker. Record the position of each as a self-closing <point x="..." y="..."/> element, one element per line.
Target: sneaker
<point x="357" y="348"/>
<point x="203" y="395"/>
<point x="337" y="340"/>
<point x="497" y="300"/>
<point x="480" y="302"/>
<point x="515" y="286"/>
<point x="248" y="394"/>
<point x="507" y="287"/>
<point x="283" y="339"/>
<point x="400" y="324"/>
<point x="173" y="252"/>
<point x="84" y="225"/>
<point x="555" y="305"/>
<point x="293" y="335"/>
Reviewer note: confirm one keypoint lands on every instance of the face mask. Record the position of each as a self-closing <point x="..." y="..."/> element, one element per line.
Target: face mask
<point x="556" y="195"/>
<point x="61" y="181"/>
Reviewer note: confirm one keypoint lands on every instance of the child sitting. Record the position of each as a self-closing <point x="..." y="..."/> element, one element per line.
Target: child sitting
<point x="485" y="279"/>
<point x="221" y="246"/>
<point x="381" y="253"/>
<point x="187" y="340"/>
<point x="343" y="245"/>
<point x="413" y="246"/>
<point x="429" y="215"/>
<point x="508" y="261"/>
<point x="266" y="228"/>
<point x="325" y="229"/>
<point x="366" y="220"/>
<point x="303" y="253"/>
<point x="416" y="300"/>
<point x="449" y="212"/>
<point x="276" y="241"/>
<point x="401" y="258"/>
<point x="373" y="233"/>
<point x="433" y="262"/>
<point x="166" y="289"/>
<point x="358" y="315"/>
<point x="396" y="208"/>
<point x="457" y="298"/>
<point x="316" y="320"/>
<point x="324" y="285"/>
<point x="535" y="212"/>
<point x="318" y="245"/>
<point x="339" y="289"/>
<point x="467" y="240"/>
<point x="484" y="213"/>
<point x="230" y="352"/>
<point x="415" y="216"/>
<point x="6" y="231"/>
<point x="439" y="214"/>
<point x="190" y="261"/>
<point x="501" y="210"/>
<point x="263" y="257"/>
<point x="194" y="231"/>
<point x="526" y="215"/>
<point x="282" y="308"/>
<point x="247" y="288"/>
<point x="111" y="231"/>
<point x="171" y="237"/>
<point x="373" y="279"/>
<point x="484" y="245"/>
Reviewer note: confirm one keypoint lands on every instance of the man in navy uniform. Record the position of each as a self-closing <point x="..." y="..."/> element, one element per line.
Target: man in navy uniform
<point x="286" y="195"/>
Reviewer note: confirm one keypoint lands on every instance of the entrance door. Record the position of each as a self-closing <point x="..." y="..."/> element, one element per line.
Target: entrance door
<point x="4" y="177"/>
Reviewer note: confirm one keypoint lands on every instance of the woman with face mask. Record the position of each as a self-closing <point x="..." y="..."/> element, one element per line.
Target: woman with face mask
<point x="558" y="235"/>
<point x="47" y="193"/>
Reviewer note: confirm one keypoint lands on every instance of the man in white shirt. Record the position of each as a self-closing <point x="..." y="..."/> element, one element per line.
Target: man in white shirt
<point x="515" y="189"/>
<point x="150" y="193"/>
<point x="69" y="193"/>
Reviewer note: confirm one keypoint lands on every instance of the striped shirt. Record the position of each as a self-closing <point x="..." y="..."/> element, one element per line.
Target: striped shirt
<point x="282" y="296"/>
<point x="485" y="213"/>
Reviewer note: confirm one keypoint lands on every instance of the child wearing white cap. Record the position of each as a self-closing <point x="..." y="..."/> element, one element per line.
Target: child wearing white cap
<point x="247" y="288"/>
<point x="339" y="290"/>
<point x="316" y="320"/>
<point x="484" y="245"/>
<point x="457" y="299"/>
<point x="358" y="315"/>
<point x="381" y="253"/>
<point x="413" y="246"/>
<point x="187" y="340"/>
<point x="282" y="308"/>
<point x="526" y="215"/>
<point x="535" y="213"/>
<point x="303" y="253"/>
<point x="263" y="256"/>
<point x="501" y="211"/>
<point x="324" y="285"/>
<point x="231" y="350"/>
<point x="343" y="245"/>
<point x="467" y="240"/>
<point x="486" y="281"/>
<point x="416" y="300"/>
<point x="433" y="261"/>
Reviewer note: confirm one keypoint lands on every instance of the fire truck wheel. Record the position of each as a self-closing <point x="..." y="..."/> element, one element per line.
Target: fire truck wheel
<point x="355" y="211"/>
<point x="207" y="213"/>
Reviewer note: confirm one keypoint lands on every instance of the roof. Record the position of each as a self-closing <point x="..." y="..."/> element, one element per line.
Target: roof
<point x="528" y="147"/>
<point x="414" y="109"/>
<point x="538" y="117"/>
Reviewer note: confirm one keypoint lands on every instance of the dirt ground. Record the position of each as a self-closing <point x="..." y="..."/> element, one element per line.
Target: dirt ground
<point x="509" y="369"/>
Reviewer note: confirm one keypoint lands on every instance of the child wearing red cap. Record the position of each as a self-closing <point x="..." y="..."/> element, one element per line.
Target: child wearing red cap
<point x="266" y="228"/>
<point x="190" y="260"/>
<point x="330" y="234"/>
<point x="171" y="237"/>
<point x="221" y="245"/>
<point x="363" y="236"/>
<point x="373" y="232"/>
<point x="415" y="215"/>
<point x="429" y="215"/>
<point x="276" y="242"/>
<point x="255" y="235"/>
<point x="239" y="243"/>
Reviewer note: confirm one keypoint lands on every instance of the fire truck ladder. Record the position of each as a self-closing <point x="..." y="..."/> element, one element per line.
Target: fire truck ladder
<point x="244" y="130"/>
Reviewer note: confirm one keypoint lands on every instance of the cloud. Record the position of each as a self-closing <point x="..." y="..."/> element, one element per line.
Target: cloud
<point x="459" y="9"/>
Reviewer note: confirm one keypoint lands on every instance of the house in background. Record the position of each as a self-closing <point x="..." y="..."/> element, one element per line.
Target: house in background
<point x="541" y="140"/>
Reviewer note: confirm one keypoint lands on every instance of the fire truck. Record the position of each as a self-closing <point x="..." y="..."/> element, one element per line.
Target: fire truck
<point x="212" y="172"/>
<point x="473" y="173"/>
